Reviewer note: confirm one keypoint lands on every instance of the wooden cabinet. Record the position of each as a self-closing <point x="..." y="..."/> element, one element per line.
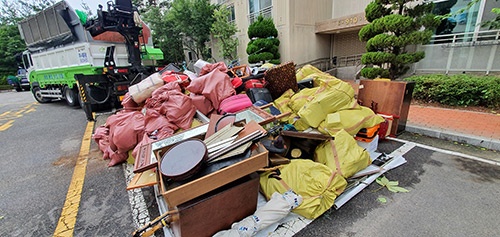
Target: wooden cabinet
<point x="217" y="210"/>
<point x="390" y="97"/>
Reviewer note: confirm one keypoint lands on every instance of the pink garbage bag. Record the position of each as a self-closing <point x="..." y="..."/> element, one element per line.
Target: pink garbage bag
<point x="171" y="102"/>
<point x="126" y="129"/>
<point x="215" y="86"/>
<point x="221" y="66"/>
<point x="129" y="104"/>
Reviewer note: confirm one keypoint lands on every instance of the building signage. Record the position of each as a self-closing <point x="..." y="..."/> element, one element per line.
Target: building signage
<point x="341" y="24"/>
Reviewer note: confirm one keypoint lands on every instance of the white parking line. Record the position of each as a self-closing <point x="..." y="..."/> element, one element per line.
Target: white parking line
<point x="491" y="162"/>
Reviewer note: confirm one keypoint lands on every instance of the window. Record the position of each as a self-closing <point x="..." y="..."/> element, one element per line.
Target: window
<point x="259" y="7"/>
<point x="27" y="61"/>
<point x="232" y="16"/>
<point x="456" y="23"/>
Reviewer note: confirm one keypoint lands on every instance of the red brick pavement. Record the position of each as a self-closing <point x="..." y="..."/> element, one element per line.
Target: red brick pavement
<point x="485" y="125"/>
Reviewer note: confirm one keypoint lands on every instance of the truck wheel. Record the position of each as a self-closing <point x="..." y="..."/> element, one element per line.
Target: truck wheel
<point x="38" y="95"/>
<point x="19" y="89"/>
<point x="71" y="96"/>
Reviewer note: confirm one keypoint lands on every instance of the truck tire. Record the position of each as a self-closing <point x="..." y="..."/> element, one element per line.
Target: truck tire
<point x="71" y="96"/>
<point x="18" y="88"/>
<point x="38" y="95"/>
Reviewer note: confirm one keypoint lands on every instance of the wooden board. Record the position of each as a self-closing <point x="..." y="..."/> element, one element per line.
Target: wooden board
<point x="217" y="210"/>
<point x="144" y="179"/>
<point x="392" y="98"/>
<point x="180" y="194"/>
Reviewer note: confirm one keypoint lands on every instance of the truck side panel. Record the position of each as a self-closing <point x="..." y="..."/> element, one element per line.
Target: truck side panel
<point x="61" y="76"/>
<point x="78" y="55"/>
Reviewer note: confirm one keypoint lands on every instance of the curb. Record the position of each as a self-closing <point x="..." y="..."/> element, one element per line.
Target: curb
<point x="493" y="144"/>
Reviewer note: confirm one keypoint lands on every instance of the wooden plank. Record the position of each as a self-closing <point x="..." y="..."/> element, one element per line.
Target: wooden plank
<point x="144" y="179"/>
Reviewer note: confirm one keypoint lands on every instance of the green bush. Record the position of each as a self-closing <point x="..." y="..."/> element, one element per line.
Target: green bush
<point x="3" y="80"/>
<point x="458" y="90"/>
<point x="255" y="58"/>
<point x="264" y="44"/>
<point x="5" y="87"/>
<point x="262" y="28"/>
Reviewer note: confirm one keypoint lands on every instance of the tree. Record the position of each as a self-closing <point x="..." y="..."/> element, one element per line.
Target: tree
<point x="264" y="44"/>
<point x="193" y="19"/>
<point x="165" y="34"/>
<point x="11" y="45"/>
<point x="394" y="25"/>
<point x="11" y="12"/>
<point x="224" y="31"/>
<point x="495" y="23"/>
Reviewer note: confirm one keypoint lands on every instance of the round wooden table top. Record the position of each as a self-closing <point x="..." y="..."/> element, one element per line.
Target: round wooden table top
<point x="184" y="159"/>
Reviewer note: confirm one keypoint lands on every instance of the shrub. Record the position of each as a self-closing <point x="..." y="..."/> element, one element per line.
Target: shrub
<point x="458" y="90"/>
<point x="264" y="44"/>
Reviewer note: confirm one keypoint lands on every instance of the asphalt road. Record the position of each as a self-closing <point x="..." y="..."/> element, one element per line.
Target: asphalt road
<point x="449" y="195"/>
<point x="39" y="152"/>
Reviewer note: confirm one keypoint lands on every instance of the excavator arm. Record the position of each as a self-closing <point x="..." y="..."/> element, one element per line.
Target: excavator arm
<point x="121" y="17"/>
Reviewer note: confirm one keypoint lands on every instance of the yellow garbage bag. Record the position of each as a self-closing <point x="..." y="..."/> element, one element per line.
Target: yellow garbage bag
<point x="332" y="96"/>
<point x="351" y="120"/>
<point x="315" y="182"/>
<point x="283" y="102"/>
<point x="301" y="98"/>
<point x="300" y="124"/>
<point x="342" y="154"/>
<point x="305" y="71"/>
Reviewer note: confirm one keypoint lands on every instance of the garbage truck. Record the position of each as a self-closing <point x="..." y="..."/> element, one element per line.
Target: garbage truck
<point x="87" y="62"/>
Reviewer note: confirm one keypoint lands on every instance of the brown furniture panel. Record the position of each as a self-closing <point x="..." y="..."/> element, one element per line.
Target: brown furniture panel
<point x="391" y="97"/>
<point x="217" y="210"/>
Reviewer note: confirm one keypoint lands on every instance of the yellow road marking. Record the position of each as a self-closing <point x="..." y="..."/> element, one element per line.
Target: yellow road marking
<point x="6" y="126"/>
<point x="30" y="110"/>
<point x="66" y="224"/>
<point x="10" y="115"/>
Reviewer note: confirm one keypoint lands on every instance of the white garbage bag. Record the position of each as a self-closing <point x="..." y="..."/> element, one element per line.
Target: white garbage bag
<point x="274" y="210"/>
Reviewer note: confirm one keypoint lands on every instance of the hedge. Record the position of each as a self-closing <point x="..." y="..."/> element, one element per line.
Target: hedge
<point x="458" y="90"/>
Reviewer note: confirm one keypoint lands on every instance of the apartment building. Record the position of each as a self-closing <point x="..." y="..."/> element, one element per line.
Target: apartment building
<point x="313" y="30"/>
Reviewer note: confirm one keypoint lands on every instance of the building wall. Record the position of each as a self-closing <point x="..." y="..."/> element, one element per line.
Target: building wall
<point x="304" y="44"/>
<point x="341" y="8"/>
<point x="310" y="30"/>
<point x="295" y="21"/>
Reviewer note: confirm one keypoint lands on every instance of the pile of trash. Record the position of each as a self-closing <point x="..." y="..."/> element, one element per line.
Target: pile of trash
<point x="307" y="101"/>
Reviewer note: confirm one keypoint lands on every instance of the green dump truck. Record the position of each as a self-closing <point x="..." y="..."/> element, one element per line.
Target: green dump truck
<point x="87" y="62"/>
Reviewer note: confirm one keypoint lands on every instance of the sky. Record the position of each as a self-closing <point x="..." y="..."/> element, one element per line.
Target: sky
<point x="76" y="4"/>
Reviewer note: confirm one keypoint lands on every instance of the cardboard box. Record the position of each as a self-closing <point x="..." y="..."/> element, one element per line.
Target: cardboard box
<point x="217" y="210"/>
<point x="178" y="193"/>
<point x="369" y="146"/>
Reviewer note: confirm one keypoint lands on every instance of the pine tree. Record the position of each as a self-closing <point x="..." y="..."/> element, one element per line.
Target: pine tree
<point x="264" y="44"/>
<point x="394" y="25"/>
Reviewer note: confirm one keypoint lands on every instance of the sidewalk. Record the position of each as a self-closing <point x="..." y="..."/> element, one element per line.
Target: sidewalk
<point x="474" y="128"/>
